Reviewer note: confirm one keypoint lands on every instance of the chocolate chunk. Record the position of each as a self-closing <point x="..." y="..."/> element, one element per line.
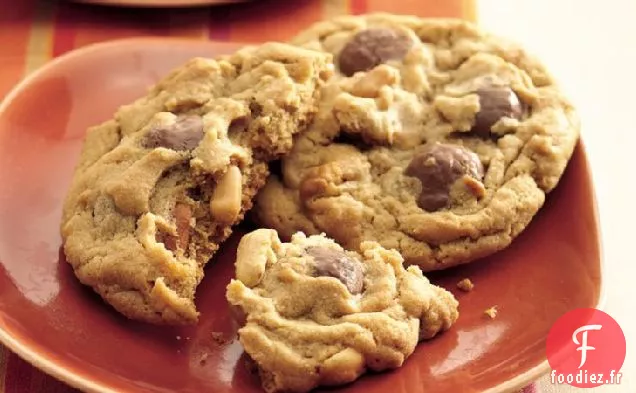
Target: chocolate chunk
<point x="495" y="102"/>
<point x="438" y="166"/>
<point x="184" y="134"/>
<point x="182" y="215"/>
<point x="335" y="263"/>
<point x="372" y="47"/>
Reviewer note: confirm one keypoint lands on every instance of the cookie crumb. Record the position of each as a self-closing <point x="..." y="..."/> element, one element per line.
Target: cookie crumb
<point x="466" y="285"/>
<point x="218" y="338"/>
<point x="203" y="358"/>
<point x="491" y="312"/>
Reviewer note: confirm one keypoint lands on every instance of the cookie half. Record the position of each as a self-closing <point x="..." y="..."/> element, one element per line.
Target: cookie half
<point x="317" y="315"/>
<point x="434" y="137"/>
<point x="158" y="188"/>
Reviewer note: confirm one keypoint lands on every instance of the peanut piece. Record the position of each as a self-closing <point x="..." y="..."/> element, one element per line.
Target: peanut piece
<point x="370" y="85"/>
<point x="475" y="186"/>
<point x="344" y="366"/>
<point x="385" y="98"/>
<point x="254" y="253"/>
<point x="225" y="204"/>
<point x="459" y="111"/>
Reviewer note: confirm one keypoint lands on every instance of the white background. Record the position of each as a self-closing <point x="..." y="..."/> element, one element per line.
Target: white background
<point x="590" y="46"/>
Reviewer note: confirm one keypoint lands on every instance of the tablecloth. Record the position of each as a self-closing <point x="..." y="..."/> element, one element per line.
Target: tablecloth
<point x="34" y="31"/>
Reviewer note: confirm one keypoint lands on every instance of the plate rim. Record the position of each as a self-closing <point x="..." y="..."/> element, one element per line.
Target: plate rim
<point x="159" y="3"/>
<point x="67" y="375"/>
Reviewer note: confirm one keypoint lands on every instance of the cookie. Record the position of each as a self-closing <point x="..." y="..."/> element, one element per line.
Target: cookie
<point x="433" y="137"/>
<point x="317" y="315"/>
<point x="158" y="188"/>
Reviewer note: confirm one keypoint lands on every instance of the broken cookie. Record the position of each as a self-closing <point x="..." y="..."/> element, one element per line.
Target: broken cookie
<point x="158" y="188"/>
<point x="317" y="315"/>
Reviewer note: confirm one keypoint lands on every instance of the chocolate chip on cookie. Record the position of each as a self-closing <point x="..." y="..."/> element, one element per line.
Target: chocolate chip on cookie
<point x="334" y="263"/>
<point x="185" y="134"/>
<point x="495" y="102"/>
<point x="372" y="47"/>
<point x="438" y="166"/>
<point x="182" y="215"/>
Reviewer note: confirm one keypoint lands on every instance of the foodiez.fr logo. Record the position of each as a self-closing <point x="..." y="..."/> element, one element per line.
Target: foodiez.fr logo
<point x="586" y="348"/>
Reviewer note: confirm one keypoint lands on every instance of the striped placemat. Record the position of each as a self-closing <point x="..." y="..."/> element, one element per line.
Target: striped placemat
<point x="34" y="31"/>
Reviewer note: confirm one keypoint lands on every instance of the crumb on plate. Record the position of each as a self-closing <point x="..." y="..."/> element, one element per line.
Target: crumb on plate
<point x="466" y="285"/>
<point x="218" y="338"/>
<point x="491" y="312"/>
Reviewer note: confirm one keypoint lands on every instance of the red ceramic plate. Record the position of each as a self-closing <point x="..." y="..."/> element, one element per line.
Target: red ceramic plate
<point x="52" y="321"/>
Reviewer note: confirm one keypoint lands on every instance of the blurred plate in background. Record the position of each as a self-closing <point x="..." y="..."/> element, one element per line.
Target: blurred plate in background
<point x="159" y="3"/>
